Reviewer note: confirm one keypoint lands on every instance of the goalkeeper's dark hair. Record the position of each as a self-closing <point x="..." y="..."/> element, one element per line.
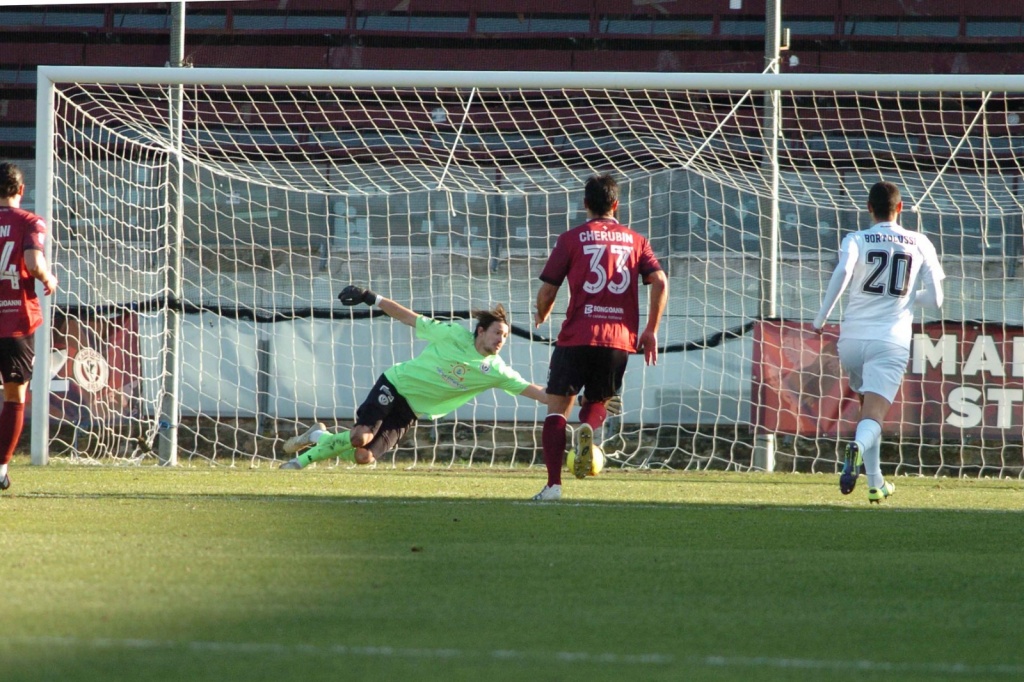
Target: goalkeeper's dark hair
<point x="485" y="318"/>
<point x="11" y="178"/>
<point x="600" y="194"/>
<point x="883" y="199"/>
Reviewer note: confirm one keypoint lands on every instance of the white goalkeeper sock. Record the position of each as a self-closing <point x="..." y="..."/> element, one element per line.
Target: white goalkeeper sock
<point x="3" y="470"/>
<point x="314" y="436"/>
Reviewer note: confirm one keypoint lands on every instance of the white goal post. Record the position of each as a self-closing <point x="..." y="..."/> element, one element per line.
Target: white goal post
<point x="205" y="219"/>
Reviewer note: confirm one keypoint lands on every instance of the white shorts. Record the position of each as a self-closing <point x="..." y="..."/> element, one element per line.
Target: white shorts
<point x="874" y="366"/>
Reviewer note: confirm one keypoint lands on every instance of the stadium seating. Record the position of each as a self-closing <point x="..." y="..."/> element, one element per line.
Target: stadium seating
<point x="589" y="34"/>
<point x="827" y="36"/>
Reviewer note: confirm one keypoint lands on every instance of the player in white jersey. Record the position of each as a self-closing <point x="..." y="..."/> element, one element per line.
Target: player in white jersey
<point x="884" y="267"/>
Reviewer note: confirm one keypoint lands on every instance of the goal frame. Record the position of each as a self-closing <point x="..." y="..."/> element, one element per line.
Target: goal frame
<point x="767" y="83"/>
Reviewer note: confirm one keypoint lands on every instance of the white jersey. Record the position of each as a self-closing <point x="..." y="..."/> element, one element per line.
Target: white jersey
<point x="884" y="267"/>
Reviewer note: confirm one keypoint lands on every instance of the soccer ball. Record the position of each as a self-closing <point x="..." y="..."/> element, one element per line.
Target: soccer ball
<point x="595" y="466"/>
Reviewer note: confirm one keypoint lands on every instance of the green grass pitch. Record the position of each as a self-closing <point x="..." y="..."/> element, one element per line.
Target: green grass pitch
<point x="194" y="574"/>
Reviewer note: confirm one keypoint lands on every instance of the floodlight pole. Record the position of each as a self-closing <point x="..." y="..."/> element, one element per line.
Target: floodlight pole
<point x="764" y="443"/>
<point x="170" y="405"/>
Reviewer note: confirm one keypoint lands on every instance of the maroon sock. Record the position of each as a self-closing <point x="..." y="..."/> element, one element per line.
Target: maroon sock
<point x="593" y="414"/>
<point x="553" y="438"/>
<point x="11" y="419"/>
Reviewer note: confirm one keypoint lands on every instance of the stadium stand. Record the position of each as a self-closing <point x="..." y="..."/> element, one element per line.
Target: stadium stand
<point x="826" y="36"/>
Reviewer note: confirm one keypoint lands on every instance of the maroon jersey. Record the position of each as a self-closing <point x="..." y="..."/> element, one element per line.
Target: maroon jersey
<point x="20" y="231"/>
<point x="605" y="263"/>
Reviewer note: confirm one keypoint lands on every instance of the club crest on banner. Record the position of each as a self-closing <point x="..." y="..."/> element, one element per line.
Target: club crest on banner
<point x="91" y="370"/>
<point x="95" y="373"/>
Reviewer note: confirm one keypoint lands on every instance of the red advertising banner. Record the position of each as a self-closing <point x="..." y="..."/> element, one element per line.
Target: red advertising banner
<point x="963" y="379"/>
<point x="94" y="369"/>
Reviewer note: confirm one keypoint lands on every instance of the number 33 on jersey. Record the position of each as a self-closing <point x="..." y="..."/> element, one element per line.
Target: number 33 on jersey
<point x="605" y="262"/>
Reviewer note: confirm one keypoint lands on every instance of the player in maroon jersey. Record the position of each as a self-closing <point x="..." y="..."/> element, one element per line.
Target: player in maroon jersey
<point x="605" y="262"/>
<point x="23" y="238"/>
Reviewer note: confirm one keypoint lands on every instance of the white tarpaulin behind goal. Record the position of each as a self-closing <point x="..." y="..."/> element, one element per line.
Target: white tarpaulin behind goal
<point x="446" y="192"/>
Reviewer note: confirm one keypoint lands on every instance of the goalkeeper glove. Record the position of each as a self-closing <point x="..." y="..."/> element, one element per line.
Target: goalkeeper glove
<point x="353" y="295"/>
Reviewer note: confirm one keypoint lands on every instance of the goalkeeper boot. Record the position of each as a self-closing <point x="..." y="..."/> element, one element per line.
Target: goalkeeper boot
<point x="584" y="451"/>
<point x="550" y="493"/>
<point x="876" y="495"/>
<point x="5" y="482"/>
<point x="293" y="463"/>
<point x="853" y="466"/>
<point x="303" y="440"/>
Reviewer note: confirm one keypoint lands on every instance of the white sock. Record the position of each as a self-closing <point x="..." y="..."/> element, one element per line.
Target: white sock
<point x="875" y="479"/>
<point x="869" y="432"/>
<point x="869" y="436"/>
<point x="315" y="436"/>
<point x="3" y="470"/>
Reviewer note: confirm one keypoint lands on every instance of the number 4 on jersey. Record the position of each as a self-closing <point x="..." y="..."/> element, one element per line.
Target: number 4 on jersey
<point x="8" y="270"/>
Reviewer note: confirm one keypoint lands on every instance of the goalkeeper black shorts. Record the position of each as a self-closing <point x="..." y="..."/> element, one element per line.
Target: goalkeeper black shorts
<point x="387" y="414"/>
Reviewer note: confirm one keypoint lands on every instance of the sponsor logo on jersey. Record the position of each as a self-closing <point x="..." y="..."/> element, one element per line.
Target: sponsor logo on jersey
<point x="455" y="375"/>
<point x="590" y="309"/>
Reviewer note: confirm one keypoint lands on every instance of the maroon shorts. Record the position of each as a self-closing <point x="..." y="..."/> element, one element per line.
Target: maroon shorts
<point x="17" y="357"/>
<point x="595" y="370"/>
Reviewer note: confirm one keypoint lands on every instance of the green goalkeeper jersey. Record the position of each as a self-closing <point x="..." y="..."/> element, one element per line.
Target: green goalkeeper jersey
<point x="449" y="372"/>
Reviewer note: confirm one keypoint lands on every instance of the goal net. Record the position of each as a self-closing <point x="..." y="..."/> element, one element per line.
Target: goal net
<point x="207" y="318"/>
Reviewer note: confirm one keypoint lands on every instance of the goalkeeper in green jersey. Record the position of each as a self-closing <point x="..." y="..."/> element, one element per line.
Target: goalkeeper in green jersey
<point x="456" y="366"/>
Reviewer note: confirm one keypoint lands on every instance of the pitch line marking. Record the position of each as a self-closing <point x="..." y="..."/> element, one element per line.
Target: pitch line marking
<point x="293" y="498"/>
<point x="965" y="670"/>
<point x="337" y="650"/>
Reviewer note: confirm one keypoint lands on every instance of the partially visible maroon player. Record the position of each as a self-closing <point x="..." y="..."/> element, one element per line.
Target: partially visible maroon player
<point x="604" y="262"/>
<point x="23" y="238"/>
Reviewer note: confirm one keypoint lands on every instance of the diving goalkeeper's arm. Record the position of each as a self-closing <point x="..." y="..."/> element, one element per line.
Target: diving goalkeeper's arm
<point x="353" y="295"/>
